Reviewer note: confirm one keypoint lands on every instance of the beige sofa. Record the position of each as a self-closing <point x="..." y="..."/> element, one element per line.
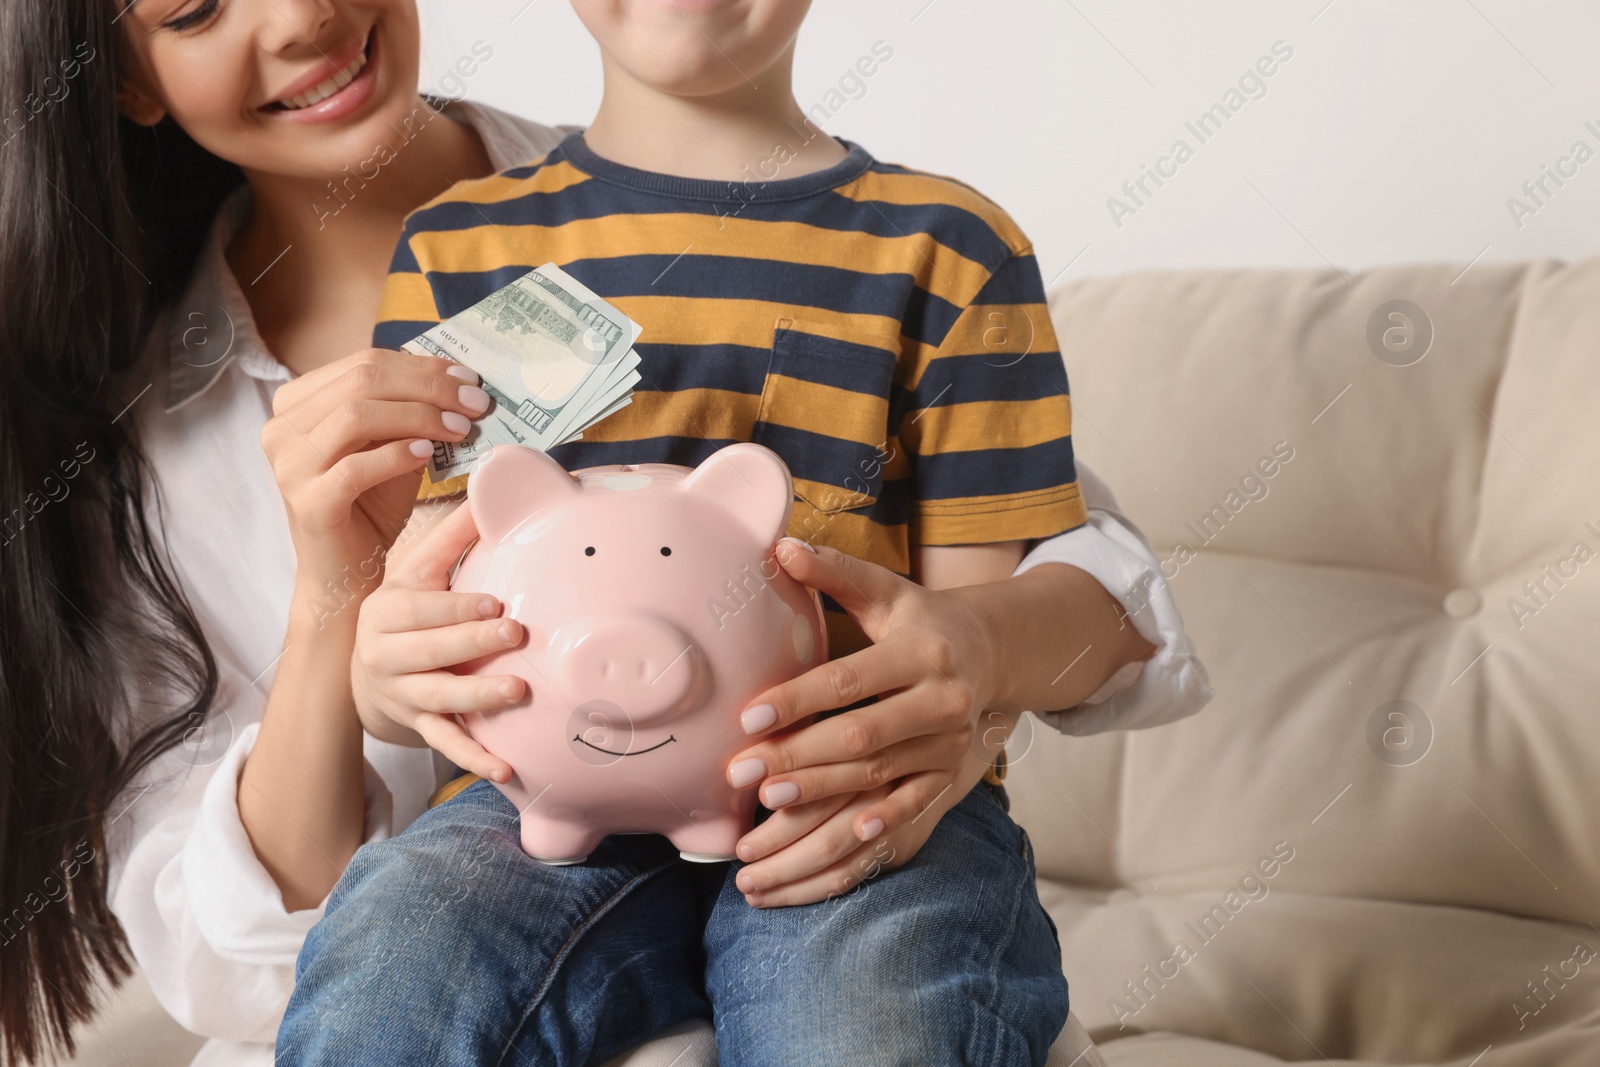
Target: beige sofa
<point x="1443" y="894"/>
<point x="1381" y="842"/>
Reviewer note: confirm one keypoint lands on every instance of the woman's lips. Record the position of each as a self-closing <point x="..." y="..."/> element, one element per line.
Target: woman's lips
<point x="343" y="101"/>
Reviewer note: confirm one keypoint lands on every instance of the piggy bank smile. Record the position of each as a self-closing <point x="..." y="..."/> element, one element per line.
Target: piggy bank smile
<point x="578" y="738"/>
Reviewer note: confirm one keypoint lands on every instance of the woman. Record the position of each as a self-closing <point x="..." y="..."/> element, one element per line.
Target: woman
<point x="188" y="543"/>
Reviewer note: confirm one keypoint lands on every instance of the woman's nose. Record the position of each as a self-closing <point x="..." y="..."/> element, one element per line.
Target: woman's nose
<point x="294" y="28"/>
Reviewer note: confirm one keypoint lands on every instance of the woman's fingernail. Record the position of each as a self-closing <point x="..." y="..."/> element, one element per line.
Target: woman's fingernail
<point x="758" y="718"/>
<point x="870" y="829"/>
<point x="473" y="398"/>
<point x="509" y="688"/>
<point x="488" y="607"/>
<point x="465" y="373"/>
<point x="746" y="771"/>
<point x="420" y="448"/>
<point x="796" y="542"/>
<point x="455" y="422"/>
<point x="781" y="794"/>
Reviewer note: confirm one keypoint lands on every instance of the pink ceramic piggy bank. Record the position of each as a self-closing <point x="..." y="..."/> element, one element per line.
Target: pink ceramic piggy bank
<point x="655" y="611"/>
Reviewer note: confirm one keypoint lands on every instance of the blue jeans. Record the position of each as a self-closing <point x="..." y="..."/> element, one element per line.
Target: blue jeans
<point x="448" y="945"/>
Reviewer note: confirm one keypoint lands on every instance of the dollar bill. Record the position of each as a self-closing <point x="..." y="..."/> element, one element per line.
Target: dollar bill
<point x="554" y="357"/>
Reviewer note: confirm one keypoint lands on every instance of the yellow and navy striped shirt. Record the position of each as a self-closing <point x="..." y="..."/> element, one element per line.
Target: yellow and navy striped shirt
<point x="882" y="330"/>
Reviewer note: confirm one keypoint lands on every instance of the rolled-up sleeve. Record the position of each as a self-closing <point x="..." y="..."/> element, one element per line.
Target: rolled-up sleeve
<point x="1172" y="683"/>
<point x="204" y="918"/>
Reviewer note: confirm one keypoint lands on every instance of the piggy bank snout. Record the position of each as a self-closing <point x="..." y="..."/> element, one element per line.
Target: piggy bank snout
<point x="646" y="666"/>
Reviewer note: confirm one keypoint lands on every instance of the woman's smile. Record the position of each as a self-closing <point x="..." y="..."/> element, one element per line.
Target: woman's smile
<point x="335" y="89"/>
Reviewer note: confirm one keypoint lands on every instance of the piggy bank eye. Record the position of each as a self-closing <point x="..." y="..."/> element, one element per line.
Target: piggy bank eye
<point x="665" y="551"/>
<point x="589" y="551"/>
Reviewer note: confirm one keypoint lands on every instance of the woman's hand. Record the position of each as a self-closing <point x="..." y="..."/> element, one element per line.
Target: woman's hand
<point x="889" y="768"/>
<point x="960" y="663"/>
<point x="810" y="852"/>
<point x="411" y="628"/>
<point x="347" y="442"/>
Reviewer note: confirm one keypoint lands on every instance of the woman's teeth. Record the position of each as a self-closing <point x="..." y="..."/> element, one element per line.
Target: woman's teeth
<point x="326" y="89"/>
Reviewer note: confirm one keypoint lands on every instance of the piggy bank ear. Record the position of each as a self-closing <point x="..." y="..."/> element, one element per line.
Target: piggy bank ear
<point x="511" y="483"/>
<point x="751" y="484"/>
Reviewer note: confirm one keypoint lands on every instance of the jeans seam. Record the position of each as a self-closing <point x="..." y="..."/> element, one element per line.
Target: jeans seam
<point x="561" y="954"/>
<point x="1001" y="945"/>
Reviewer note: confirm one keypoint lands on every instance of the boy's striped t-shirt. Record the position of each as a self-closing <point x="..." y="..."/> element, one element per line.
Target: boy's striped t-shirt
<point x="882" y="330"/>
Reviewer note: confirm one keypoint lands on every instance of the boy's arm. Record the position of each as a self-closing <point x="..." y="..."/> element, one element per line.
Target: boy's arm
<point x="934" y="567"/>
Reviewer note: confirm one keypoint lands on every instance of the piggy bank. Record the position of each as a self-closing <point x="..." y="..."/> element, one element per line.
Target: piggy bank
<point x="654" y="611"/>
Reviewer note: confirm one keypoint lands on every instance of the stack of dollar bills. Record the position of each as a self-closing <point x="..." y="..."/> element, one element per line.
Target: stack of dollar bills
<point x="554" y="358"/>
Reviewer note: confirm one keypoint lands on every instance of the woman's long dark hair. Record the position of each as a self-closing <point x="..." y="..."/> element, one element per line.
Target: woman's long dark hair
<point x="100" y="221"/>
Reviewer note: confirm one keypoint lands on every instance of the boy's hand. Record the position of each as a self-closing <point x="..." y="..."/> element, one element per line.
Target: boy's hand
<point x="410" y="629"/>
<point x="889" y="768"/>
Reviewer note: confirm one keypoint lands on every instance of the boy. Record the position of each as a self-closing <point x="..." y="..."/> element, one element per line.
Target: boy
<point x="882" y="330"/>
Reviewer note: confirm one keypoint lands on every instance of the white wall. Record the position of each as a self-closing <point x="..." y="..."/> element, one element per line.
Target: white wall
<point x="1397" y="131"/>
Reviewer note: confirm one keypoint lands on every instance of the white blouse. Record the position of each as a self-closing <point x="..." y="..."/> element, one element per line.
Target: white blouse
<point x="205" y="920"/>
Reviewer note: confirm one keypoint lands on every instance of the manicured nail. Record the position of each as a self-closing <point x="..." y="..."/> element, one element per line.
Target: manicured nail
<point x="488" y="607"/>
<point x="758" y="718"/>
<point x="473" y="398"/>
<point x="466" y="374"/>
<point x="781" y="794"/>
<point x="455" y="422"/>
<point x="420" y="448"/>
<point x="869" y="829"/>
<point x="746" y="771"/>
<point x="795" y="541"/>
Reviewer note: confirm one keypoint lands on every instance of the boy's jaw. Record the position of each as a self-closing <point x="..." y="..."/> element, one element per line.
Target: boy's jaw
<point x="702" y="88"/>
<point x="694" y="48"/>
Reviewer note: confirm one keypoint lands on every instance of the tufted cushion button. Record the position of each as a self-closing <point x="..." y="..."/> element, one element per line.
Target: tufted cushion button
<point x="1459" y="603"/>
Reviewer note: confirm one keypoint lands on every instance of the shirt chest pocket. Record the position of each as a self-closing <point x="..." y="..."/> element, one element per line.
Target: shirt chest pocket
<point x="825" y="409"/>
